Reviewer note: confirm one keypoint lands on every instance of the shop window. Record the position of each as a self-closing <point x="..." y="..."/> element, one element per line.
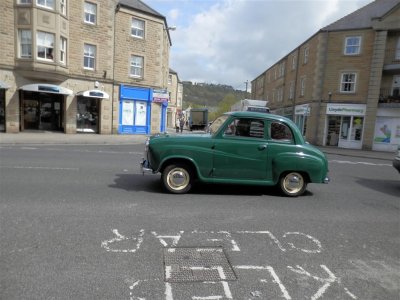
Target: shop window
<point x="87" y="115"/>
<point x="351" y="128"/>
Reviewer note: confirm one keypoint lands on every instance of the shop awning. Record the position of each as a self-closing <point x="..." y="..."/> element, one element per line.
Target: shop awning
<point x="4" y="85"/>
<point x="46" y="88"/>
<point x="94" y="94"/>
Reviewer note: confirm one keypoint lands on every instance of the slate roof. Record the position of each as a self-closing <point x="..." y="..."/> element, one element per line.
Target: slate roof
<point x="362" y="18"/>
<point x="139" y="5"/>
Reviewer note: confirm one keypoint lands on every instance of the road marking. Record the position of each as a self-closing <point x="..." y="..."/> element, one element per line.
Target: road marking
<point x="119" y="237"/>
<point x="39" y="168"/>
<point x="358" y="163"/>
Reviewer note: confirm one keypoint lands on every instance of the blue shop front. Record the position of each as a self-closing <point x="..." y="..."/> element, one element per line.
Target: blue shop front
<point x="135" y="109"/>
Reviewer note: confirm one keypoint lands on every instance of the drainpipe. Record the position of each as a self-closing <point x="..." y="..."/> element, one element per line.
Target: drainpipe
<point x="322" y="82"/>
<point x="113" y="71"/>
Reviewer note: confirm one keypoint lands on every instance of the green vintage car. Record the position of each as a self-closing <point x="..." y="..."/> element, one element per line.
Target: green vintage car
<point x="246" y="148"/>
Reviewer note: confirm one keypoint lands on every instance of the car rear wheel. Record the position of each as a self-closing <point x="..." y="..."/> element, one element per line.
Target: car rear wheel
<point x="177" y="178"/>
<point x="293" y="184"/>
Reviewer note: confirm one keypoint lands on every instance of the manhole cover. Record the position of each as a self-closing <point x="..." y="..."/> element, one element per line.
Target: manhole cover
<point x="197" y="264"/>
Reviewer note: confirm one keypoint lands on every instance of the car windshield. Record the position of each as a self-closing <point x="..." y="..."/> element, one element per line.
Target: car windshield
<point x="214" y="127"/>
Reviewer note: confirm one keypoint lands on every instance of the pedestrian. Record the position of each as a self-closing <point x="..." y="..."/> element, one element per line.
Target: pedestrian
<point x="181" y="123"/>
<point x="177" y="125"/>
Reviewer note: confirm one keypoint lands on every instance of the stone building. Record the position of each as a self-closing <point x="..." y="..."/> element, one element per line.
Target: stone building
<point x="83" y="66"/>
<point x="175" y="89"/>
<point x="341" y="86"/>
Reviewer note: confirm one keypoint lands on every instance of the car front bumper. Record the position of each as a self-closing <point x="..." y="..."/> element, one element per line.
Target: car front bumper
<point x="396" y="164"/>
<point x="145" y="167"/>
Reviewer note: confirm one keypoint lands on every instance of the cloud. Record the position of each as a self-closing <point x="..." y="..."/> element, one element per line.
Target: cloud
<point x="232" y="41"/>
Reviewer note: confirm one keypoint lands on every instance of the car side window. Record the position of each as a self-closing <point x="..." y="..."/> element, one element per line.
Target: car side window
<point x="245" y="128"/>
<point x="280" y="132"/>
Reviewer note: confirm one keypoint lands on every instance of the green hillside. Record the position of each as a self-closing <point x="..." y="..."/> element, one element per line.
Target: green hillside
<point x="209" y="95"/>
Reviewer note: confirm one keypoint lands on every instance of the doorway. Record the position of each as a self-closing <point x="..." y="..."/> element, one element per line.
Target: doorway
<point x="87" y="117"/>
<point x="2" y="109"/>
<point x="332" y="139"/>
<point x="41" y="111"/>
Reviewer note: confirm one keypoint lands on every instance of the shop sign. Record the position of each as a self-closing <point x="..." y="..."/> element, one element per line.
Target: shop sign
<point x="304" y="110"/>
<point x="160" y="95"/>
<point x="346" y="109"/>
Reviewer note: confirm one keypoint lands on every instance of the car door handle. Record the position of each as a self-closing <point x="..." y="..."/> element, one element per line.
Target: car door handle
<point x="262" y="147"/>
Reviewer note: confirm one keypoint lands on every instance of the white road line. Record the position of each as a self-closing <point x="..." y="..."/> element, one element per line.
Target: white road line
<point x="40" y="168"/>
<point x="358" y="163"/>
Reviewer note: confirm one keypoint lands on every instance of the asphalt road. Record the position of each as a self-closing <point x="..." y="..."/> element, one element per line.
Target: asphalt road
<point x="81" y="222"/>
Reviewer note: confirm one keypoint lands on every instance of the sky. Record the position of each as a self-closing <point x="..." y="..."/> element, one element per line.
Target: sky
<point x="233" y="41"/>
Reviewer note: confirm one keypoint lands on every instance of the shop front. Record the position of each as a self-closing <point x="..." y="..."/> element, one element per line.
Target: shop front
<point x="345" y="125"/>
<point x="387" y="130"/>
<point x="161" y="96"/>
<point x="301" y="112"/>
<point x="88" y="113"/>
<point x="135" y="110"/>
<point x="42" y="107"/>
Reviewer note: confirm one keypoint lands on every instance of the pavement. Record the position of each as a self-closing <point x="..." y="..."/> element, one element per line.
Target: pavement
<point x="60" y="138"/>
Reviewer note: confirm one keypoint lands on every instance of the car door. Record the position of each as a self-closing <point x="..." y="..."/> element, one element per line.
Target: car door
<point x="241" y="151"/>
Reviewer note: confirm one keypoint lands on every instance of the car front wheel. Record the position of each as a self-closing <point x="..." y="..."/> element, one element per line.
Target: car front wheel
<point x="293" y="184"/>
<point x="177" y="178"/>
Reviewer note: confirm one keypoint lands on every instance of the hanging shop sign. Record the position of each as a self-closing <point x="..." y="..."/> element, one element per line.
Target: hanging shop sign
<point x="47" y="88"/>
<point x="346" y="109"/>
<point x="160" y="95"/>
<point x="94" y="94"/>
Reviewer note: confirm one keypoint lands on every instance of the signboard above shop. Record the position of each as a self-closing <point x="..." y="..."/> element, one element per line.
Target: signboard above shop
<point x="346" y="109"/>
<point x="160" y="95"/>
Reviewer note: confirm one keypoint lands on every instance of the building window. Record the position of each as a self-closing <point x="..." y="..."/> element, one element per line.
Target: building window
<point x="397" y="55"/>
<point x="302" y="87"/>
<point x="46" y="3"/>
<point x="280" y="94"/>
<point x="89" y="56"/>
<point x="90" y="13"/>
<point x="352" y="45"/>
<point x="291" y="90"/>
<point x="170" y="79"/>
<point x="136" y="66"/>
<point x="137" y="28"/>
<point x="294" y="62"/>
<point x="306" y="52"/>
<point x="282" y="69"/>
<point x="63" y="50"/>
<point x="63" y="7"/>
<point x="348" y="83"/>
<point x="24" y="1"/>
<point x="25" y="42"/>
<point x="45" y="45"/>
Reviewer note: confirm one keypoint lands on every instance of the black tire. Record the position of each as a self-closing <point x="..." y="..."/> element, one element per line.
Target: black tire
<point x="177" y="178"/>
<point x="292" y="184"/>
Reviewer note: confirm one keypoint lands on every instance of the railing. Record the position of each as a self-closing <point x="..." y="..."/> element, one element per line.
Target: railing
<point x="389" y="96"/>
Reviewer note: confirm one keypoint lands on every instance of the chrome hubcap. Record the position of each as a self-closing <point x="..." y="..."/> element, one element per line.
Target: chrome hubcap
<point x="293" y="183"/>
<point x="178" y="179"/>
